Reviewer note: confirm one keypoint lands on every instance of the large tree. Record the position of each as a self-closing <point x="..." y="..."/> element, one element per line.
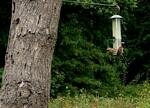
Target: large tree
<point x="32" y="37"/>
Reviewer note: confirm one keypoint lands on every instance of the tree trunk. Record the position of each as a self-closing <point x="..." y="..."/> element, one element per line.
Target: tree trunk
<point x="32" y="37"/>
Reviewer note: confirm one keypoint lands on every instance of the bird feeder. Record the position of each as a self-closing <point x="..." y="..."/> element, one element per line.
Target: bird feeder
<point x="116" y="31"/>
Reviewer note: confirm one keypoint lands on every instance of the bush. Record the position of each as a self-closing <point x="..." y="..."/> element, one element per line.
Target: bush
<point x="80" y="60"/>
<point x="1" y="73"/>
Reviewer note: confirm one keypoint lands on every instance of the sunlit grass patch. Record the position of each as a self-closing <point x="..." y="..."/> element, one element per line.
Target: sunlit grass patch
<point x="140" y="100"/>
<point x="83" y="101"/>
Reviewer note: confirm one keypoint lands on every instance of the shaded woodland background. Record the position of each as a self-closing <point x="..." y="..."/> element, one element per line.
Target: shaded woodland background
<point x="80" y="62"/>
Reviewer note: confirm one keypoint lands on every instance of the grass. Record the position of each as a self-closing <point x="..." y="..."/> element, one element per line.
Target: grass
<point x="87" y="101"/>
<point x="124" y="100"/>
<point x="83" y="101"/>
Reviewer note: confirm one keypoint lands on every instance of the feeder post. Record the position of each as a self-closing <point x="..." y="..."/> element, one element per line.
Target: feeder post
<point x="116" y="31"/>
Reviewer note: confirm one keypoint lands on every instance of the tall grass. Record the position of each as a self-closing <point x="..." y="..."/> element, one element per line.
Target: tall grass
<point x="85" y="101"/>
<point x="140" y="100"/>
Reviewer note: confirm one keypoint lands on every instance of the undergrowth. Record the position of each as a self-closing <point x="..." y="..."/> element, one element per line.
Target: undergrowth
<point x="140" y="99"/>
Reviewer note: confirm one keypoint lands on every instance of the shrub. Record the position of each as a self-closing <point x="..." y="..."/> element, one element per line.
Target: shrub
<point x="1" y="73"/>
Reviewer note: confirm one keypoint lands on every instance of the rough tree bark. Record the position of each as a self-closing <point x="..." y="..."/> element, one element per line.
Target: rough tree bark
<point x="32" y="37"/>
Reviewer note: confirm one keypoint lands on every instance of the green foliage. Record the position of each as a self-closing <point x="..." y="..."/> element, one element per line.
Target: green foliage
<point x="89" y="101"/>
<point x="3" y="39"/>
<point x="140" y="100"/>
<point x="1" y="73"/>
<point x="144" y="95"/>
<point x="3" y="44"/>
<point x="80" y="60"/>
<point x="5" y="6"/>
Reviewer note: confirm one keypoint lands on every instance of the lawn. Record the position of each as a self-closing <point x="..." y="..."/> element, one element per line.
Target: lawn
<point x="130" y="97"/>
<point x="89" y="101"/>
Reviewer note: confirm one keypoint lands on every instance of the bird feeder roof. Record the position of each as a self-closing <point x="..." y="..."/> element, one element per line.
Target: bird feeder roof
<point x="116" y="17"/>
